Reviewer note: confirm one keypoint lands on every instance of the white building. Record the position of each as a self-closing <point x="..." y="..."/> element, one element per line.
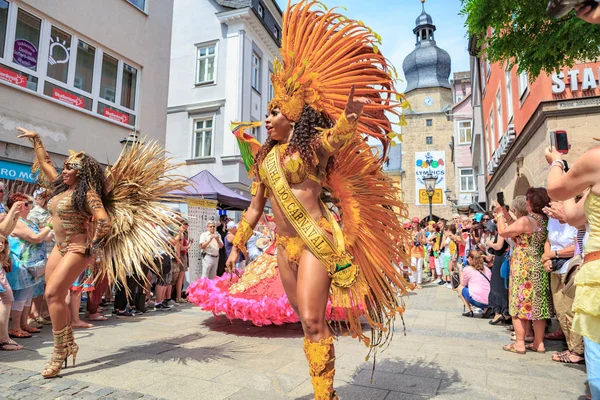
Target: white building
<point x="222" y="54"/>
<point x="83" y="74"/>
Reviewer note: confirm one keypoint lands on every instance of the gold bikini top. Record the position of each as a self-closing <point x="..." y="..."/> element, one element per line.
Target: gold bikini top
<point x="296" y="171"/>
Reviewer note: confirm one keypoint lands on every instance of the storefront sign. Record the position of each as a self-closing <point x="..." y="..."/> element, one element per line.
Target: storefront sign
<point x="593" y="102"/>
<point x="506" y="141"/>
<point x="117" y="116"/>
<point x="579" y="79"/>
<point x="67" y="97"/>
<point x="434" y="162"/>
<point x="202" y="203"/>
<point x="25" y="53"/>
<point x="13" y="171"/>
<point x="13" y="77"/>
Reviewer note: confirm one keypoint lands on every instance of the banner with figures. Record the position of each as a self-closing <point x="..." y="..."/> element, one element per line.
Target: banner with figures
<point x="434" y="162"/>
<point x="200" y="212"/>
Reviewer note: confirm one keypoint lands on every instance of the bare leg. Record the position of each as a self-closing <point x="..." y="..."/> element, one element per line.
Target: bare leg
<point x="15" y="320"/>
<point x="539" y="328"/>
<point x="36" y="307"/>
<point x="4" y="316"/>
<point x="76" y="322"/>
<point x="520" y="326"/>
<point x="179" y="284"/>
<point x="289" y="274"/>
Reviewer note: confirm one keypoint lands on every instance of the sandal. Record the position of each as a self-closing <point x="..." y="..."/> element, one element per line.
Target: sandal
<point x="31" y="329"/>
<point x="530" y="347"/>
<point x="511" y="349"/>
<point x="20" y="334"/>
<point x="565" y="357"/>
<point x="15" y="346"/>
<point x="556" y="335"/>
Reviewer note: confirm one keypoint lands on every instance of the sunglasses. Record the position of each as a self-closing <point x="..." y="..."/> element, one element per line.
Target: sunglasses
<point x="485" y="219"/>
<point x="28" y="203"/>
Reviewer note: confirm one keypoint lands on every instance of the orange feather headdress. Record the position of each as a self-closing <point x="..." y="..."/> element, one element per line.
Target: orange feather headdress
<point x="323" y="55"/>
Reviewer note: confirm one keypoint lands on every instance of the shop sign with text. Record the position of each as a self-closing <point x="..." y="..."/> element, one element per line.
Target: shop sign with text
<point x="578" y="79"/>
<point x="68" y="98"/>
<point x="25" y="53"/>
<point x="16" y="172"/>
<point x="117" y="116"/>
<point x="13" y="77"/>
<point x="506" y="141"/>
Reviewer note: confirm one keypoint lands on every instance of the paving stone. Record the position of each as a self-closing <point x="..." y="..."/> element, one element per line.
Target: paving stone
<point x="20" y="386"/>
<point x="105" y="392"/>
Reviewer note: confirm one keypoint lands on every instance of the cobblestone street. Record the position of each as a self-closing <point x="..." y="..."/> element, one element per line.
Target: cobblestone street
<point x="190" y="353"/>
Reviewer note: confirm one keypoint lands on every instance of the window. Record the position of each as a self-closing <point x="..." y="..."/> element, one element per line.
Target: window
<point x="483" y="79"/>
<point x="488" y="68"/>
<point x="523" y="83"/>
<point x="205" y="64"/>
<point x="256" y="72"/>
<point x="276" y="32"/>
<point x="428" y="139"/>
<point x="76" y="74"/>
<point x="509" y="96"/>
<point x="428" y="122"/>
<point x="128" y="85"/>
<point x="271" y="89"/>
<point x="59" y="54"/>
<point x="459" y="98"/>
<point x="3" y="22"/>
<point x="467" y="180"/>
<point x="84" y="66"/>
<point x="108" y="81"/>
<point x="27" y="40"/>
<point x="203" y="133"/>
<point x="464" y="132"/>
<point x="261" y="10"/>
<point x="141" y="4"/>
<point x="499" y="120"/>
<point x="492" y="128"/>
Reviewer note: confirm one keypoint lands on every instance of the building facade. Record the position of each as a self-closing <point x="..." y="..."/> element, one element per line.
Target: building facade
<point x="519" y="116"/>
<point x="478" y="155"/>
<point x="67" y="72"/>
<point x="220" y="73"/>
<point x="429" y="130"/>
<point x="461" y="195"/>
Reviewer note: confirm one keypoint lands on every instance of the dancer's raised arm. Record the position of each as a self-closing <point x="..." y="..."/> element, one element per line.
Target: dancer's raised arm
<point x="41" y="155"/>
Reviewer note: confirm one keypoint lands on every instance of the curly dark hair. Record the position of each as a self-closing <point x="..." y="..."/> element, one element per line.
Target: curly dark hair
<point x="304" y="140"/>
<point x="538" y="199"/>
<point x="89" y="177"/>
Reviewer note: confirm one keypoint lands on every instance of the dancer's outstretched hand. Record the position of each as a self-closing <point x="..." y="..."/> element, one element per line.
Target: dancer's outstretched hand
<point x="354" y="106"/>
<point x="26" y="134"/>
<point x="232" y="261"/>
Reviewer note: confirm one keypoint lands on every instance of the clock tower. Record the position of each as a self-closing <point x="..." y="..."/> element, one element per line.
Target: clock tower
<point x="427" y="137"/>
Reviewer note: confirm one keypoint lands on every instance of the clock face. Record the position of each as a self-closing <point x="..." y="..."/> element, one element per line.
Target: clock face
<point x="428" y="101"/>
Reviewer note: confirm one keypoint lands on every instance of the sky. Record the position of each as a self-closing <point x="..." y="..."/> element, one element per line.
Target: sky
<point x="394" y="21"/>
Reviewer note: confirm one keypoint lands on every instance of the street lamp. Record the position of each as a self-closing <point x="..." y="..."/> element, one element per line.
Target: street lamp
<point x="130" y="140"/>
<point x="430" y="181"/>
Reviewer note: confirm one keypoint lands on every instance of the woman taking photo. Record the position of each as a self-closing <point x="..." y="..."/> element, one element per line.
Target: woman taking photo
<point x="529" y="287"/>
<point x="315" y="148"/>
<point x="474" y="285"/>
<point x="28" y="258"/>
<point x="78" y="193"/>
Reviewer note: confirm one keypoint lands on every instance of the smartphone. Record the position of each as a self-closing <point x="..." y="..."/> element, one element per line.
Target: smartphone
<point x="559" y="8"/>
<point x="500" y="199"/>
<point x="561" y="142"/>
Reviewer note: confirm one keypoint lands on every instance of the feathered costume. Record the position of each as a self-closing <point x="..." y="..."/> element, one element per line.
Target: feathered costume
<point x="324" y="56"/>
<point x="136" y="187"/>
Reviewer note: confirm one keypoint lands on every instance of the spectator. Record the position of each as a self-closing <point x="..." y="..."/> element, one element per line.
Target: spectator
<point x="184" y="245"/>
<point x="6" y="298"/>
<point x="28" y="258"/>
<point x="498" y="298"/>
<point x="8" y="220"/>
<point x="474" y="285"/>
<point x="558" y="252"/>
<point x="222" y="231"/>
<point x="417" y="253"/>
<point x="583" y="176"/>
<point x="210" y="243"/>
<point x="529" y="288"/>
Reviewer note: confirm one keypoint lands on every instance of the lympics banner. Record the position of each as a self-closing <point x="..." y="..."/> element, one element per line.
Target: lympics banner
<point x="434" y="161"/>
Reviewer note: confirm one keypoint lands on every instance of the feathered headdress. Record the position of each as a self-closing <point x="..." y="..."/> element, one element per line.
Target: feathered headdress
<point x="323" y="55"/>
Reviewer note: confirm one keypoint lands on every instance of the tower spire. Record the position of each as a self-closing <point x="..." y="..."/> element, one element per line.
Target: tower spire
<point x="423" y="5"/>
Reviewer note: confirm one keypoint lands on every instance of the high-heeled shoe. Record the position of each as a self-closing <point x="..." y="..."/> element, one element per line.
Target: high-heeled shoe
<point x="319" y="356"/>
<point x="73" y="347"/>
<point x="496" y="321"/>
<point x="62" y="350"/>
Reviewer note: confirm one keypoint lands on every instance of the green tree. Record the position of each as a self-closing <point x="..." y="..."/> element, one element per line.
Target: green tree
<point x="523" y="34"/>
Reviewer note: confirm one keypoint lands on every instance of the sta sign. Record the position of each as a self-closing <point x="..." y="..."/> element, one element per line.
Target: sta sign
<point x="589" y="81"/>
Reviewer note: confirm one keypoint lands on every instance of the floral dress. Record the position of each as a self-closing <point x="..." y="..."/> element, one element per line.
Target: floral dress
<point x="529" y="288"/>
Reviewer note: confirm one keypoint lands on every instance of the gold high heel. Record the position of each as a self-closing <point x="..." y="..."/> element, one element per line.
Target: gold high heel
<point x="62" y="350"/>
<point x="319" y="357"/>
<point x="73" y="347"/>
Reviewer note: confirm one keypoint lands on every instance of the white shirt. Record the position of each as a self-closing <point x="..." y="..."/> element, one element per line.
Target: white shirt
<point x="213" y="247"/>
<point x="560" y="237"/>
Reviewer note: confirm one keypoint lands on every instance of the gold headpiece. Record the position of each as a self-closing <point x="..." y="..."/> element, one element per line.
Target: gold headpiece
<point x="324" y="54"/>
<point x="75" y="159"/>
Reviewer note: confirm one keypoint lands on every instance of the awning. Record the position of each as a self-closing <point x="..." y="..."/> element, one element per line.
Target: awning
<point x="204" y="185"/>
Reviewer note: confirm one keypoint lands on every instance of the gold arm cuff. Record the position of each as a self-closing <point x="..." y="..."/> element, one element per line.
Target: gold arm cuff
<point x="343" y="131"/>
<point x="243" y="234"/>
<point x="254" y="188"/>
